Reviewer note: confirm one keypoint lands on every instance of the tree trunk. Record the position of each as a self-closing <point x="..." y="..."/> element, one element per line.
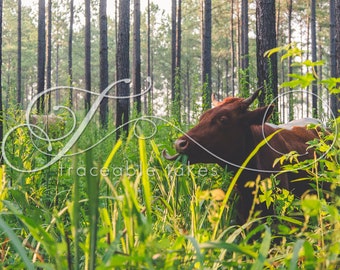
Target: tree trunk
<point x="49" y="53"/>
<point x="307" y="53"/>
<point x="226" y="77"/>
<point x="320" y="72"/>
<point x="238" y="43"/>
<point x="41" y="55"/>
<point x="70" y="48"/>
<point x="245" y="48"/>
<point x="136" y="65"/>
<point x="123" y="65"/>
<point x="206" y="55"/>
<point x="104" y="65"/>
<point x="178" y="72"/>
<point x="19" y="90"/>
<point x="1" y="108"/>
<point x="266" y="40"/>
<point x="334" y="15"/>
<point x="57" y="60"/>
<point x="148" y="100"/>
<point x="337" y="27"/>
<point x="232" y="44"/>
<point x="290" y="68"/>
<point x="188" y="92"/>
<point x="314" y="58"/>
<point x="87" y="54"/>
<point x="173" y="49"/>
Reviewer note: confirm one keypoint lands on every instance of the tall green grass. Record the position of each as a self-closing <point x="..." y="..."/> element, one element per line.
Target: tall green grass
<point x="165" y="216"/>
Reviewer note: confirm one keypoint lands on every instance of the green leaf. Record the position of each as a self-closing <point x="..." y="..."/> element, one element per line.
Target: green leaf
<point x="311" y="205"/>
<point x="230" y="247"/>
<point x="310" y="63"/>
<point x="266" y="197"/>
<point x="309" y="254"/>
<point x="263" y="252"/>
<point x="294" y="261"/>
<point x="270" y="52"/>
<point x="291" y="52"/>
<point x="332" y="84"/>
<point x="300" y="80"/>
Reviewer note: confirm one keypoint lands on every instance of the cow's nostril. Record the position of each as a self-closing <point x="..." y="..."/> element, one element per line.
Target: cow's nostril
<point x="181" y="145"/>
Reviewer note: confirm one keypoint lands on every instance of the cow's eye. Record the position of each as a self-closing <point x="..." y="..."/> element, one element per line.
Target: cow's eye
<point x="224" y="120"/>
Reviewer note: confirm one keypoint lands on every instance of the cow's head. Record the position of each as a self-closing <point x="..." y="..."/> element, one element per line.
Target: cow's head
<point x="222" y="132"/>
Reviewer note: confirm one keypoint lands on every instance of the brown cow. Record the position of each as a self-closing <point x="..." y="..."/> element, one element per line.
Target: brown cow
<point x="228" y="133"/>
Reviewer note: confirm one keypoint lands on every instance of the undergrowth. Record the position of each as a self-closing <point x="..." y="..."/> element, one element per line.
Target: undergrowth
<point x="120" y="205"/>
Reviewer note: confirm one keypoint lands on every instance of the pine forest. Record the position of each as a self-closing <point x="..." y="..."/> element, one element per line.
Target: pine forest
<point x="180" y="134"/>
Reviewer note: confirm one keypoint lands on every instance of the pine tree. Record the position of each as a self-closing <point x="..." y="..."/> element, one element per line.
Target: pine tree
<point x="104" y="65"/>
<point x="49" y="53"/>
<point x="70" y="49"/>
<point x="19" y="90"/>
<point x="206" y="54"/>
<point x="314" y="53"/>
<point x="41" y="55"/>
<point x="266" y="40"/>
<point x="136" y="75"/>
<point x="123" y="65"/>
<point x="87" y="53"/>
<point x="244" y="48"/>
<point x="1" y="110"/>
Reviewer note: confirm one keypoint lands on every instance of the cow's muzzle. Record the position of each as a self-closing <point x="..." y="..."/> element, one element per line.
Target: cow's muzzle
<point x="169" y="157"/>
<point x="180" y="146"/>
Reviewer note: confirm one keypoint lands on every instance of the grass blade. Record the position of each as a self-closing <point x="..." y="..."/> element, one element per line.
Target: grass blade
<point x="92" y="193"/>
<point x="74" y="210"/>
<point x="297" y="247"/>
<point x="199" y="255"/>
<point x="16" y="244"/>
<point x="145" y="178"/>
<point x="263" y="252"/>
<point x="113" y="152"/>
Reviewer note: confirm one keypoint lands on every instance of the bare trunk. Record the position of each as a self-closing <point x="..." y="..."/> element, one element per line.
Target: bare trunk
<point x="123" y="66"/>
<point x="1" y="108"/>
<point x="19" y="90"/>
<point x="266" y="40"/>
<point x="206" y="55"/>
<point x="49" y="54"/>
<point x="87" y="54"/>
<point x="244" y="49"/>
<point x="104" y="65"/>
<point x="41" y="55"/>
<point x="136" y="65"/>
<point x="314" y="58"/>
<point x="290" y="68"/>
<point x="232" y="45"/>
<point x="70" y="48"/>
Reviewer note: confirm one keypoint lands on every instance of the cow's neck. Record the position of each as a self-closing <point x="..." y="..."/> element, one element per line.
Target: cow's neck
<point x="247" y="145"/>
<point x="263" y="159"/>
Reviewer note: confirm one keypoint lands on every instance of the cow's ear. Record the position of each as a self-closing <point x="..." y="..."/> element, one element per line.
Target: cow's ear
<point x="259" y="116"/>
